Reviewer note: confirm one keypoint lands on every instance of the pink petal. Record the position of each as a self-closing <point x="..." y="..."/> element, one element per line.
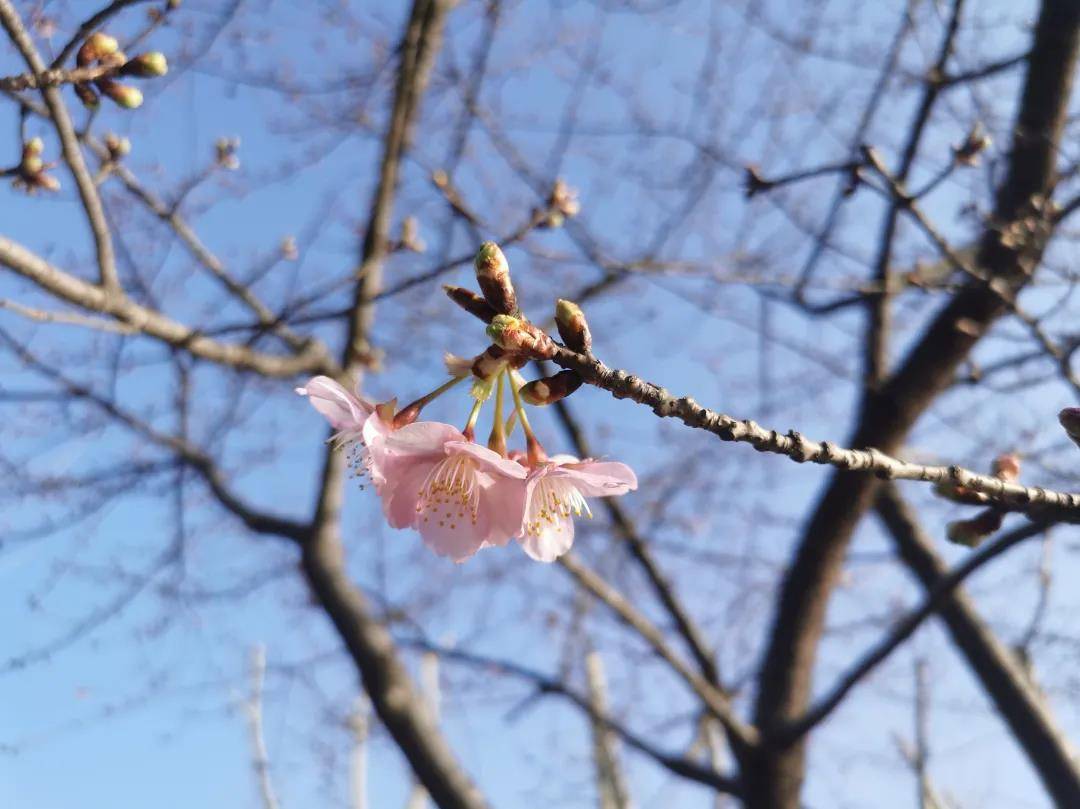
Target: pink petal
<point x="400" y="493"/>
<point x="600" y="478"/>
<point x="456" y="539"/>
<point x="374" y="435"/>
<point x="488" y="459"/>
<point x="422" y="438"/>
<point x="563" y="459"/>
<point x="552" y="542"/>
<point x="340" y="407"/>
<point x="503" y="501"/>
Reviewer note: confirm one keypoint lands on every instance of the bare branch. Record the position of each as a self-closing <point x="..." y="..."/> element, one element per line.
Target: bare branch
<point x="154" y="324"/>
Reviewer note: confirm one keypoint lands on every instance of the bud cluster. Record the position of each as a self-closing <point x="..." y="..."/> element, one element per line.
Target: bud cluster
<point x="973" y="531"/>
<point x="101" y="50"/>
<point x="31" y="173"/>
<point x="515" y="339"/>
<point x="562" y="204"/>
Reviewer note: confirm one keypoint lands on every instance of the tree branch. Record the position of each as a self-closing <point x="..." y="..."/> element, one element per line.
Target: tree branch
<point x="1019" y="703"/>
<point x="312" y="359"/>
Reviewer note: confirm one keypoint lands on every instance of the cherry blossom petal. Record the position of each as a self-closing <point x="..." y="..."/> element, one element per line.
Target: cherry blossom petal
<point x="503" y="500"/>
<point x="339" y="406"/>
<point x="422" y="438"/>
<point x="550" y="542"/>
<point x="400" y="495"/>
<point x="454" y="537"/>
<point x="488" y="459"/>
<point x="600" y="478"/>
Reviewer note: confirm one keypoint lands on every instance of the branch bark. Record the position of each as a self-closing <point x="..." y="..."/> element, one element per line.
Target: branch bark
<point x="786" y="674"/>
<point x="393" y="694"/>
<point x="1019" y="703"/>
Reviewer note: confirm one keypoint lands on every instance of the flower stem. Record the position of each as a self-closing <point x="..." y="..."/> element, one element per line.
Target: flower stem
<point x="409" y="413"/>
<point x="497" y="440"/>
<point x="535" y="450"/>
<point x="470" y="426"/>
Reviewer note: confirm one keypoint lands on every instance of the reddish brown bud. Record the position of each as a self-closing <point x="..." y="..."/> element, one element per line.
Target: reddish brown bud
<point x="96" y="47"/>
<point x="493" y="275"/>
<point x="1070" y="420"/>
<point x="520" y="336"/>
<point x="551" y="389"/>
<point x="573" y="328"/>
<point x="1006" y="467"/>
<point x="487" y="364"/>
<point x="470" y="302"/>
<point x="87" y="95"/>
<point x="971" y="533"/>
<point x="976" y="142"/>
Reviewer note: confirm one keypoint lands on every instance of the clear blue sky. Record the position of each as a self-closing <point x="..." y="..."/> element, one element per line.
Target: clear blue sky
<point x="142" y="711"/>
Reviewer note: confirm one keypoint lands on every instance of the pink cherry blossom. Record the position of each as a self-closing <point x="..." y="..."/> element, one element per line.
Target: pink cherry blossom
<point x="459" y="495"/>
<point x="343" y="409"/>
<point x="348" y="413"/>
<point x="555" y="493"/>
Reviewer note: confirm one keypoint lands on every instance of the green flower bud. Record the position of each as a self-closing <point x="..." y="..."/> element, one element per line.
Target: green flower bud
<point x="493" y="275"/>
<point x="147" y="65"/>
<point x="123" y="95"/>
<point x="521" y="337"/>
<point x="573" y="327"/>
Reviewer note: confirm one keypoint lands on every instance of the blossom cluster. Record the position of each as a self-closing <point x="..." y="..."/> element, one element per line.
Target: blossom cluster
<point x="460" y="495"/>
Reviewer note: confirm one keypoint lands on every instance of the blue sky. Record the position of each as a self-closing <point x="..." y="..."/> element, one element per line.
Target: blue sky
<point x="144" y="709"/>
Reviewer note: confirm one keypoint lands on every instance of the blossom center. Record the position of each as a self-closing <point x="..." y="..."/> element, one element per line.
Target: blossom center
<point x="357" y="456"/>
<point x="450" y="493"/>
<point x="554" y="499"/>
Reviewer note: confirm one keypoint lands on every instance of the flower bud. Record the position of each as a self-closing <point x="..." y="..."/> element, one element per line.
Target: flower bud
<point x="410" y="235"/>
<point x="96" y="47"/>
<point x="87" y="95"/>
<point x="573" y="328"/>
<point x="225" y="153"/>
<point x="470" y="302"/>
<point x="46" y="182"/>
<point x="123" y="95"/>
<point x="33" y="148"/>
<point x="493" y="275"/>
<point x="1070" y="420"/>
<point x="31" y="164"/>
<point x="118" y="146"/>
<point x="147" y="65"/>
<point x="551" y="220"/>
<point x="971" y="533"/>
<point x="551" y="389"/>
<point x="1006" y="467"/>
<point x="485" y="365"/>
<point x="563" y="199"/>
<point x="976" y="142"/>
<point x="520" y="336"/>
